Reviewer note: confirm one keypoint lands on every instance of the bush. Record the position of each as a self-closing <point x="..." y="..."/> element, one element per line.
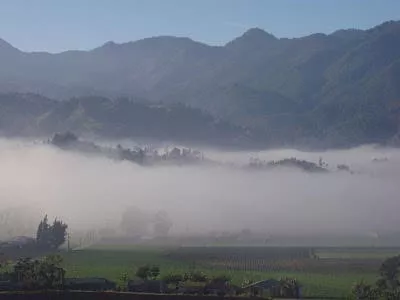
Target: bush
<point x="33" y="274"/>
<point x="195" y="277"/>
<point x="361" y="291"/>
<point x="147" y="272"/>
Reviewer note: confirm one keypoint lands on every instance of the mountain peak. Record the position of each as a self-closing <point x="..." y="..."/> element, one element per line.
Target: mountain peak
<point x="109" y="44"/>
<point x="258" y="33"/>
<point x="254" y="37"/>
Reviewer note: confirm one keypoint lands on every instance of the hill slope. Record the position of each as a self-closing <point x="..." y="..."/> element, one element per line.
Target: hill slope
<point x="340" y="89"/>
<point x="33" y="115"/>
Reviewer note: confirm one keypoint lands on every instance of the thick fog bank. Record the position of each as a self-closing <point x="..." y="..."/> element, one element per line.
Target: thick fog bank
<point x="93" y="192"/>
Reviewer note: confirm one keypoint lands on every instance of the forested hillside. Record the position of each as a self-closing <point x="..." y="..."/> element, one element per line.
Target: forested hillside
<point x="333" y="90"/>
<point x="32" y="115"/>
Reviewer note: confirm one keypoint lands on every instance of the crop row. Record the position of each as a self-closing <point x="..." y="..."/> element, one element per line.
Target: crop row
<point x="259" y="265"/>
<point x="240" y="253"/>
<point x="306" y="265"/>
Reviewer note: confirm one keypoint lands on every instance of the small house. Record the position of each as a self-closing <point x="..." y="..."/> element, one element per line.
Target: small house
<point x="89" y="284"/>
<point x="270" y="287"/>
<point x="19" y="242"/>
<point x="147" y="286"/>
<point x="191" y="289"/>
<point x="219" y="288"/>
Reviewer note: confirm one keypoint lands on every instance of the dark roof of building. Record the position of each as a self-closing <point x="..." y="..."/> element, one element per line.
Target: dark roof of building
<point x="265" y="284"/>
<point x="87" y="280"/>
<point x="18" y="241"/>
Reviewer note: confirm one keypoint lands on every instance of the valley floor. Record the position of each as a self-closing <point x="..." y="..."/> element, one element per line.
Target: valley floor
<point x="331" y="274"/>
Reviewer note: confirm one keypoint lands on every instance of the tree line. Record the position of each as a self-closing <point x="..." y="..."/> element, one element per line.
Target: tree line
<point x="387" y="285"/>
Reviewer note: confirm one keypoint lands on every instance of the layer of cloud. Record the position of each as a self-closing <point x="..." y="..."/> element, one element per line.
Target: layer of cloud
<point x="93" y="192"/>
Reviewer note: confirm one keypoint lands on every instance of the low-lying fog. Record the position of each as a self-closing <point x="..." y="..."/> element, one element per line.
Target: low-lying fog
<point x="92" y="192"/>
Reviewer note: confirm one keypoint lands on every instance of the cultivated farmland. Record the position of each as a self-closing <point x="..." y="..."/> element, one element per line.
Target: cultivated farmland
<point x="322" y="272"/>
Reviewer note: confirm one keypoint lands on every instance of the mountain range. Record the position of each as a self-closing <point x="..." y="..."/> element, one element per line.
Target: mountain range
<point x="334" y="90"/>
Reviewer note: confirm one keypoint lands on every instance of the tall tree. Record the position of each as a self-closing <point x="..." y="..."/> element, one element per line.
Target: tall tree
<point x="389" y="271"/>
<point x="43" y="233"/>
<point x="58" y="233"/>
<point x="51" y="236"/>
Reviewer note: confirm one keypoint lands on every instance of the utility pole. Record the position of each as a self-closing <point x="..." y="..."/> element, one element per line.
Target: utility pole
<point x="68" y="246"/>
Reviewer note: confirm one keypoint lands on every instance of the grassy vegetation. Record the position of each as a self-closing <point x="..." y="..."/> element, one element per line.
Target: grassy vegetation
<point x="112" y="261"/>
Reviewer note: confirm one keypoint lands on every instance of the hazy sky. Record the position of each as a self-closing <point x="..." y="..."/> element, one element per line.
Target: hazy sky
<point x="57" y="25"/>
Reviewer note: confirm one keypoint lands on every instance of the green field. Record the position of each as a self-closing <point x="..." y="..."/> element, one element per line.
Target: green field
<point x="333" y="274"/>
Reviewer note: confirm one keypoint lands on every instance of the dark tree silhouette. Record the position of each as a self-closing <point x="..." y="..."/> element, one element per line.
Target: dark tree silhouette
<point x="154" y="272"/>
<point x="43" y="233"/>
<point x="33" y="274"/>
<point x="147" y="272"/>
<point x="389" y="271"/>
<point x="143" y="272"/>
<point x="64" y="139"/>
<point x="51" y="236"/>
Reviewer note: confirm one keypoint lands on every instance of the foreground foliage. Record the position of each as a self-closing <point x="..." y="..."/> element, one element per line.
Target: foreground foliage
<point x="33" y="274"/>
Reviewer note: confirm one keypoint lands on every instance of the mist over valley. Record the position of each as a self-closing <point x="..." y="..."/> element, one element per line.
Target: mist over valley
<point x="219" y="193"/>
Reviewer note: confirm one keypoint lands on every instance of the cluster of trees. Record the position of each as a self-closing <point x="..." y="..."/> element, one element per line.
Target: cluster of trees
<point x="304" y="165"/>
<point x="51" y="236"/>
<point x="386" y="287"/>
<point x="47" y="273"/>
<point x="293" y="162"/>
<point x="63" y="139"/>
<point x="140" y="155"/>
<point x="35" y="274"/>
<point x="148" y="272"/>
<point x="148" y="156"/>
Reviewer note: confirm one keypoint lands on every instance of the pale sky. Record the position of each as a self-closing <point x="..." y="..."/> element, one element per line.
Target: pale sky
<point x="58" y="25"/>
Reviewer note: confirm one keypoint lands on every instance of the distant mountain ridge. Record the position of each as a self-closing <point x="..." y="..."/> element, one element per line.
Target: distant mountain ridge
<point x="341" y="89"/>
